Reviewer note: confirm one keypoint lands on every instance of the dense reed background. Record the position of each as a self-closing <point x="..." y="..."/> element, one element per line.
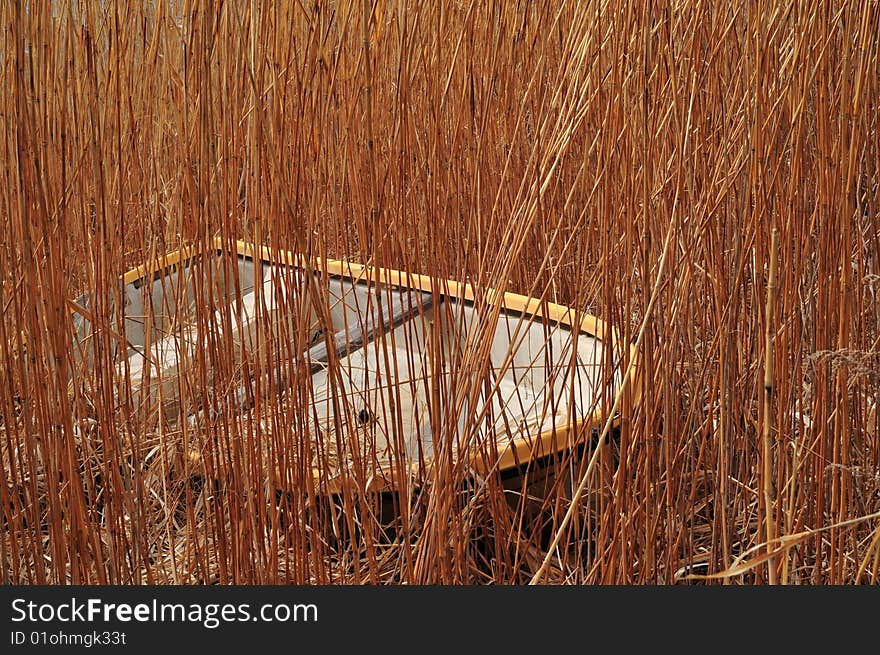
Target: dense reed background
<point x="626" y="159"/>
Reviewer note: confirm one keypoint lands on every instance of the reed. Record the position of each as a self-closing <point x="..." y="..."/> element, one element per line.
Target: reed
<point x="632" y="161"/>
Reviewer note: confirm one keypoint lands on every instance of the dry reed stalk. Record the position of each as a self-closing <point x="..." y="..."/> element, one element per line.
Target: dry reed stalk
<point x="767" y="453"/>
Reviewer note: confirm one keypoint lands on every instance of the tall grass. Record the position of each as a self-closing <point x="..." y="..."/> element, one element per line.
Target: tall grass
<point x="628" y="160"/>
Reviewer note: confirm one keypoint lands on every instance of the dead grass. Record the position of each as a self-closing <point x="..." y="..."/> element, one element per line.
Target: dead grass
<point x="557" y="150"/>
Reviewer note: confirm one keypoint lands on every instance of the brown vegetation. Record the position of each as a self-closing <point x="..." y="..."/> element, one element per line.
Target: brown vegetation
<point x="627" y="161"/>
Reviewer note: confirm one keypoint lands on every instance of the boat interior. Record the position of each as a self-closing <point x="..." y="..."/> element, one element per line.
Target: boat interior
<point x="392" y="368"/>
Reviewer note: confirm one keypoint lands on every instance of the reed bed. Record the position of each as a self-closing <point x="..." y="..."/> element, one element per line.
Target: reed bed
<point x="643" y="163"/>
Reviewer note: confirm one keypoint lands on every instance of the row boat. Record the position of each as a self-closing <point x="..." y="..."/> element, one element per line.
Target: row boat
<point x="384" y="359"/>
